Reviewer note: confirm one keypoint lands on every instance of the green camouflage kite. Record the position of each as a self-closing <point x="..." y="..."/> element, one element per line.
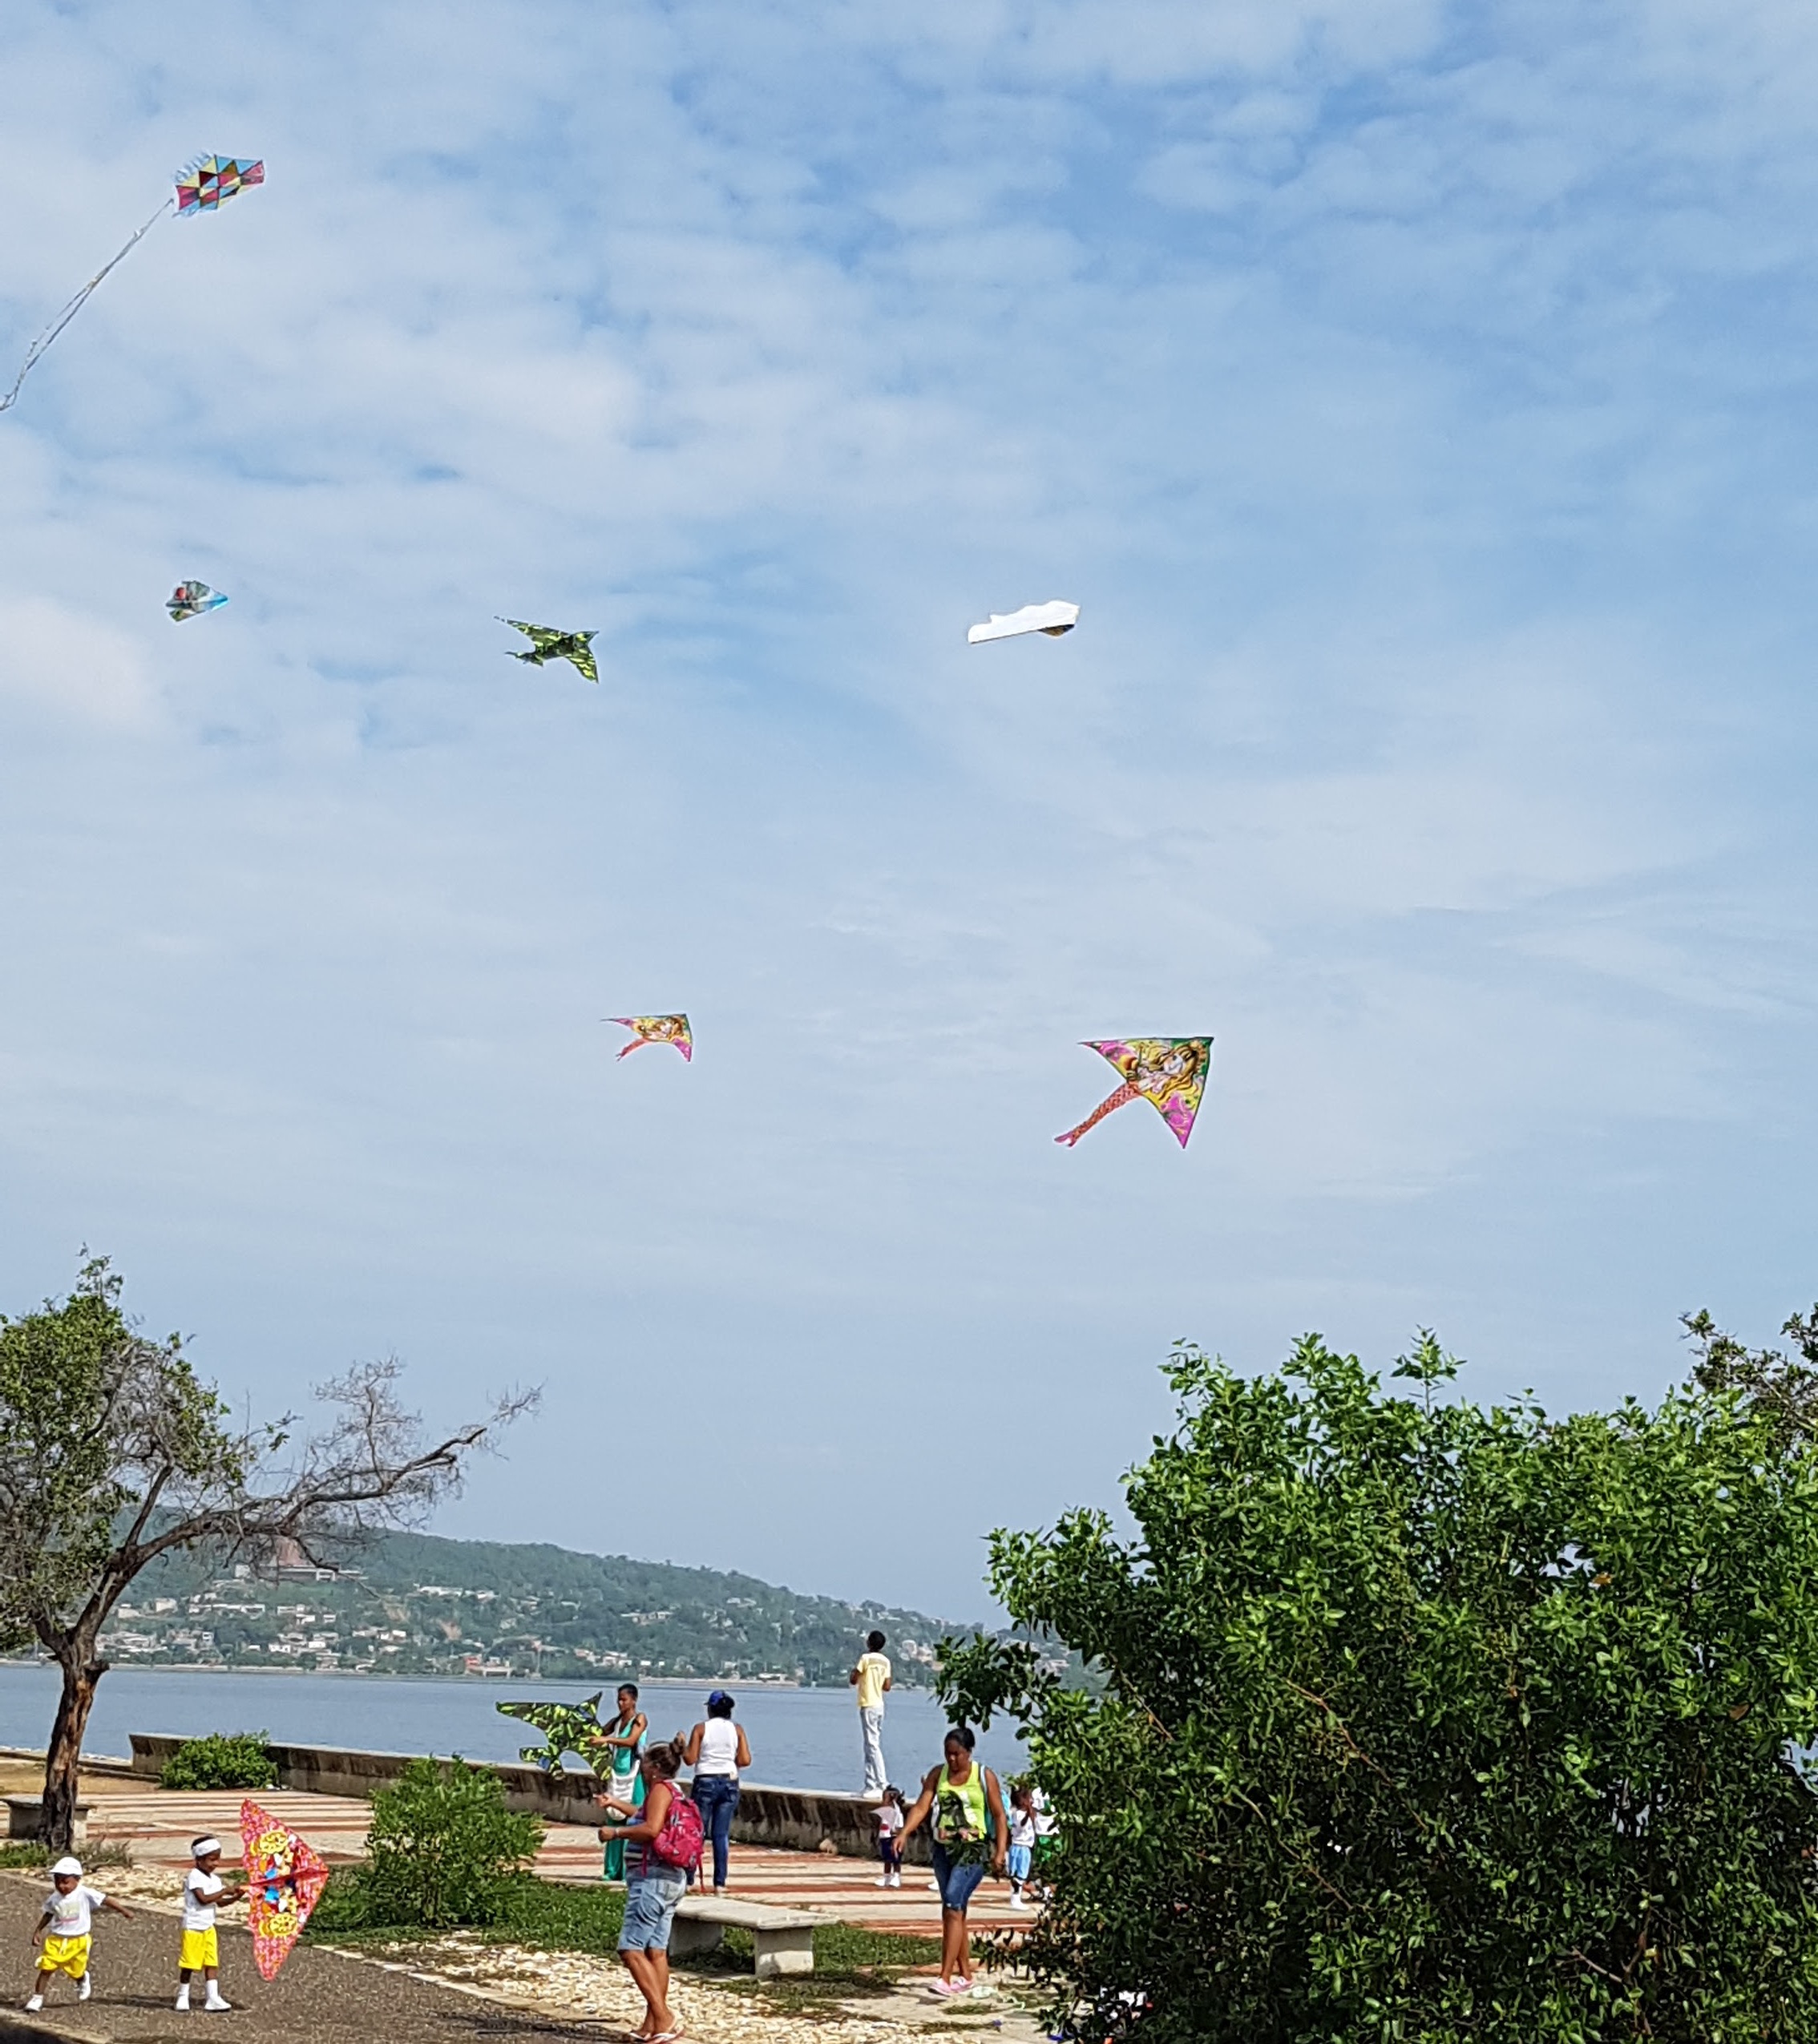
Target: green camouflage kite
<point x="566" y="1728"/>
<point x="576" y="648"/>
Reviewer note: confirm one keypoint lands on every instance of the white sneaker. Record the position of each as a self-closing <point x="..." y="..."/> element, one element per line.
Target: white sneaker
<point x="34" y="2005"/>
<point x="883" y="1880"/>
<point x="216" y="2004"/>
<point x="896" y="1880"/>
<point x="936" y="1886"/>
<point x="183" y="1998"/>
<point x="1016" y="1902"/>
<point x="87" y="1988"/>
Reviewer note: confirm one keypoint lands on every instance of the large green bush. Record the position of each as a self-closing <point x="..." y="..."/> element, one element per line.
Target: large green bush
<point x="442" y="1845"/>
<point x="224" y="1759"/>
<point x="1425" y="1724"/>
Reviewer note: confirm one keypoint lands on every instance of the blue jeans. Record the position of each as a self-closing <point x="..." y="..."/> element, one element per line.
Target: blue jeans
<point x="958" y="1878"/>
<point x="716" y="1797"/>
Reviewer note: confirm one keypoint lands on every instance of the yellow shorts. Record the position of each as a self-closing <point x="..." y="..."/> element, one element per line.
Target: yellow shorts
<point x="200" y="1948"/>
<point x="67" y="1955"/>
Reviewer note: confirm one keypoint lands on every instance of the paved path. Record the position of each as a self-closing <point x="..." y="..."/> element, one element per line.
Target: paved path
<point x="319" y="1996"/>
<point x="158" y="1824"/>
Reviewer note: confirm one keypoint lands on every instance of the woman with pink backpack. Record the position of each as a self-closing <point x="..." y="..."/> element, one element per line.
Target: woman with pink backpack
<point x="665" y="1855"/>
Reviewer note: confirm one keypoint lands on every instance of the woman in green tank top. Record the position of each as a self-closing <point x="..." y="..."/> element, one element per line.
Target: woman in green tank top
<point x="971" y="1831"/>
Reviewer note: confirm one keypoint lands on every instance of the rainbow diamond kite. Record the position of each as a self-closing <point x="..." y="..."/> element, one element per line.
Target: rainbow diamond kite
<point x="206" y="184"/>
<point x="285" y="1880"/>
<point x="656" y="1029"/>
<point x="205" y="187"/>
<point x="1169" y="1072"/>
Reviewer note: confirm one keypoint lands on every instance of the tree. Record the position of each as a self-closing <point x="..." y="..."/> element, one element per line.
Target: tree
<point x="113" y="1451"/>
<point x="1419" y="1722"/>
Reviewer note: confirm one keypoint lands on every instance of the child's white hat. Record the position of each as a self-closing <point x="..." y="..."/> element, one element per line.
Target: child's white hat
<point x="202" y="1846"/>
<point x="68" y="1864"/>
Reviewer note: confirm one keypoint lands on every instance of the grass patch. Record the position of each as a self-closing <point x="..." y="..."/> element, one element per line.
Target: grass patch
<point x="28" y="1853"/>
<point x="547" y="1915"/>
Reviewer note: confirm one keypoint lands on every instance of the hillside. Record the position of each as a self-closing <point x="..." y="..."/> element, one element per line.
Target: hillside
<point x="413" y="1604"/>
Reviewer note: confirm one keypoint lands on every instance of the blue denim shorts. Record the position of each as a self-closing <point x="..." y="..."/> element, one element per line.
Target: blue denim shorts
<point x="958" y="1879"/>
<point x="650" y="1909"/>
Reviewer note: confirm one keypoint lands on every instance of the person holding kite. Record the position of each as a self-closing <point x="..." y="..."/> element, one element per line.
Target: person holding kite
<point x="625" y="1735"/>
<point x="203" y="1892"/>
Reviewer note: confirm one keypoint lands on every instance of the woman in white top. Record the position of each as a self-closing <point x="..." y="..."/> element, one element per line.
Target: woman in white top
<point x="716" y="1750"/>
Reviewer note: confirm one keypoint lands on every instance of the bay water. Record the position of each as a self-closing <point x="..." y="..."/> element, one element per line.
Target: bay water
<point x="800" y="1737"/>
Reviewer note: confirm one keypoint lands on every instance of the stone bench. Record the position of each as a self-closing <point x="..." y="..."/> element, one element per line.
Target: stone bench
<point x="25" y="1819"/>
<point x="782" y="1940"/>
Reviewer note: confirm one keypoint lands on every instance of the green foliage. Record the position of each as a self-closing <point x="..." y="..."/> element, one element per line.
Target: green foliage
<point x="562" y="1917"/>
<point x="222" y="1759"/>
<point x="16" y="1852"/>
<point x="547" y="1915"/>
<point x="92" y="1416"/>
<point x="442" y="1846"/>
<point x="1426" y="1723"/>
<point x="343" y="1910"/>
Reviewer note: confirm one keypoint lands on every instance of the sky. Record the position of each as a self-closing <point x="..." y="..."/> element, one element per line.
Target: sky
<point x="1419" y="400"/>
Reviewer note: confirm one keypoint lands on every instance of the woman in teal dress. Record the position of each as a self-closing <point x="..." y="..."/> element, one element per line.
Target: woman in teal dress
<point x="624" y="1736"/>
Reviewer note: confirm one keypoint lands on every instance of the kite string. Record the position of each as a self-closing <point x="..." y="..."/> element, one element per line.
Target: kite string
<point x="1122" y="1097"/>
<point x="76" y="305"/>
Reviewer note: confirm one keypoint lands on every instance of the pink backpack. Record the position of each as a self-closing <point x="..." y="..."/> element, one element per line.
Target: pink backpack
<point x="678" y="1843"/>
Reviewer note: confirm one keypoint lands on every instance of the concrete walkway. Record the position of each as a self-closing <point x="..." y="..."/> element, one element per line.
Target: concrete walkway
<point x="158" y="1824"/>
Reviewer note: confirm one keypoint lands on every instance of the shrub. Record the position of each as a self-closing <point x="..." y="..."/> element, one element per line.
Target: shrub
<point x="225" y="1759"/>
<point x="443" y="1846"/>
<point x="1422" y="1722"/>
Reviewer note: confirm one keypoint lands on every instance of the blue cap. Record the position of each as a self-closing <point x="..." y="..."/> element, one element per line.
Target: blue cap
<point x="718" y="1696"/>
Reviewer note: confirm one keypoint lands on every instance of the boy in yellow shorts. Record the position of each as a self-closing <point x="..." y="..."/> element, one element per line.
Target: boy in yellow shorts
<point x="64" y="1930"/>
<point x="203" y="1892"/>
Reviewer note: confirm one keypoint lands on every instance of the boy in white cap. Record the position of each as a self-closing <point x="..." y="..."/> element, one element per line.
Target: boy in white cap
<point x="64" y="1930"/>
<point x="203" y="1892"/>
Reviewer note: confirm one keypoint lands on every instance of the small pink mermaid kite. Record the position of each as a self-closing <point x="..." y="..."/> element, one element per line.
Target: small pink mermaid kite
<point x="656" y="1029"/>
<point x="1169" y="1072"/>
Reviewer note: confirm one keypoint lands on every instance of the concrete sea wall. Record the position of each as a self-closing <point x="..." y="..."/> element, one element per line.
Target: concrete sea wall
<point x="805" y="1819"/>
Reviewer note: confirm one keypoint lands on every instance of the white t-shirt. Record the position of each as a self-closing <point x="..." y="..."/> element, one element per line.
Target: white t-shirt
<point x="72" y="1915"/>
<point x="1022" y="1827"/>
<point x="200" y="1893"/>
<point x="890" y="1819"/>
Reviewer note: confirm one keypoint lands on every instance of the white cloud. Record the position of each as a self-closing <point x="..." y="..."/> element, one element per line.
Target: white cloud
<point x="55" y="660"/>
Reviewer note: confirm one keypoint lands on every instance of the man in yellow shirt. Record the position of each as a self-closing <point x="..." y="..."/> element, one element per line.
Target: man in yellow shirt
<point x="871" y="1678"/>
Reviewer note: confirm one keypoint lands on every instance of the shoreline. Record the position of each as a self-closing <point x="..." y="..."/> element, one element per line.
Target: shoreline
<point x="453" y="1681"/>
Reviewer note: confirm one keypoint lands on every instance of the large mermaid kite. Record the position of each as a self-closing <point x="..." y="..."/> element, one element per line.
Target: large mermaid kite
<point x="1168" y="1071"/>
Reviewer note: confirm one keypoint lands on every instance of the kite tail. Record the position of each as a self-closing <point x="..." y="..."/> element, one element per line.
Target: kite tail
<point x="76" y="305"/>
<point x="1121" y="1097"/>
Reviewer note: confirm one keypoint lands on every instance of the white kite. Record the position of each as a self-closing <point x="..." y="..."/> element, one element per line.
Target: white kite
<point x="1054" y="619"/>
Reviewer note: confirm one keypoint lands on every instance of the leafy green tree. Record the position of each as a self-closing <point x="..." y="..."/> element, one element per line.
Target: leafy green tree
<point x="1418" y="1722"/>
<point x="113" y="1452"/>
<point x="442" y="1845"/>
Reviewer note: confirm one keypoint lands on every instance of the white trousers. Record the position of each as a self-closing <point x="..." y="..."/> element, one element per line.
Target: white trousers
<point x="871" y="1724"/>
